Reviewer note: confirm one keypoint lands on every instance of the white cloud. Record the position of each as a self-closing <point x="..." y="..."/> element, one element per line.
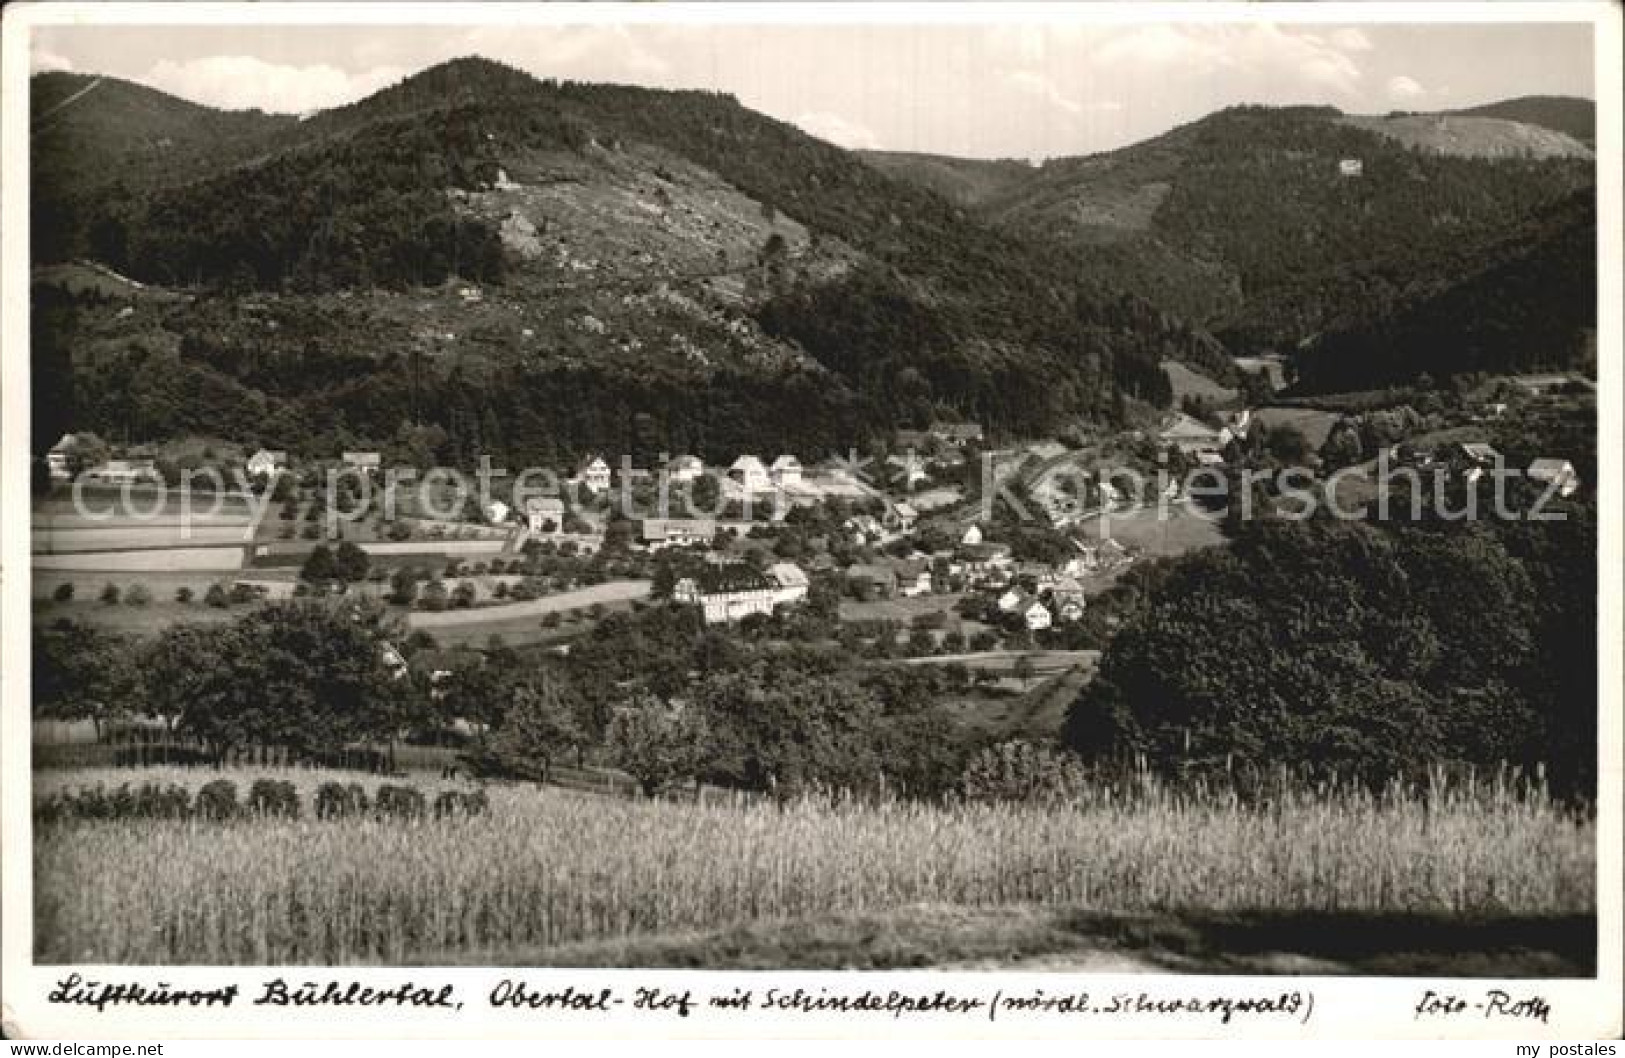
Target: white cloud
<point x="838" y="130"/>
<point x="1402" y="89"/>
<point x="619" y="53"/>
<point x="1037" y="85"/>
<point x="1291" y="61"/>
<point x="1351" y="39"/>
<point x="47" y="61"/>
<point x="238" y="82"/>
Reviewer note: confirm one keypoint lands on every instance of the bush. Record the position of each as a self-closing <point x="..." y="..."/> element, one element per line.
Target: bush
<point x="110" y="594"/>
<point x="452" y="804"/>
<point x="216" y="597"/>
<point x="1023" y="771"/>
<point x="217" y="801"/>
<point x="147" y="801"/>
<point x="340" y="801"/>
<point x="138" y="595"/>
<point x="169" y="801"/>
<point x="400" y="802"/>
<point x="273" y="799"/>
<point x="183" y="594"/>
<point x="63" y="593"/>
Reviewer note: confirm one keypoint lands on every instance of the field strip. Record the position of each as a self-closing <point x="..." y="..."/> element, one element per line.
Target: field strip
<point x="617" y="591"/>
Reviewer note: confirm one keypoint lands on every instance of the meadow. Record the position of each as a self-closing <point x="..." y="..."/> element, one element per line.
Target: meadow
<point x="549" y="870"/>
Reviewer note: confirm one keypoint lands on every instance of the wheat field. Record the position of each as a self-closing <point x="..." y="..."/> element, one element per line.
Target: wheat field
<point x="548" y="867"/>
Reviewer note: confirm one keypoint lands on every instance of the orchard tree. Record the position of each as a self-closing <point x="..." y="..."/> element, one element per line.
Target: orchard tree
<point x="350" y="563"/>
<point x="83" y="673"/>
<point x="657" y="743"/>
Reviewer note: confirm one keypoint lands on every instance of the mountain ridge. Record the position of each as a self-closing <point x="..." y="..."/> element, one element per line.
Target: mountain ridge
<point x="546" y="234"/>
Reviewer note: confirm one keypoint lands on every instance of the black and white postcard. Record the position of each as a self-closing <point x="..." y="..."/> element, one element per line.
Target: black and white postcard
<point x="1031" y="520"/>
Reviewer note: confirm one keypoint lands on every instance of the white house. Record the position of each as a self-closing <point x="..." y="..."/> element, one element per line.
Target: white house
<point x="901" y="517"/>
<point x="541" y="512"/>
<point x="736" y="591"/>
<point x="786" y="471"/>
<point x="496" y="512"/>
<point x="685" y="468"/>
<point x="393" y="661"/>
<point x="362" y="460"/>
<point x="751" y="475"/>
<point x="1556" y="471"/>
<point x="972" y="536"/>
<point x="659" y="533"/>
<point x="1035" y="613"/>
<point x="595" y="475"/>
<point x="57" y="458"/>
<point x="1350" y="167"/>
<point x="1011" y="599"/>
<point x="791" y="582"/>
<point x="865" y="529"/>
<point x="267" y="461"/>
<point x="910" y="469"/>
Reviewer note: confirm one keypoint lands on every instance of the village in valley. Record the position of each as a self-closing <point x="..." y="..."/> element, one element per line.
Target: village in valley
<point x="569" y="523"/>
<point x="895" y="549"/>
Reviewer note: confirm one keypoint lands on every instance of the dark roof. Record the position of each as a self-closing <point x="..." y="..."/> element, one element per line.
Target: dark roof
<point x="734" y="576"/>
<point x="872" y="572"/>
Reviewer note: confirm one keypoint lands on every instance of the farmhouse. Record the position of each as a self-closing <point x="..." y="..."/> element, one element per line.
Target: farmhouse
<point x="913" y="577"/>
<point x="267" y="461"/>
<point x="659" y="533"/>
<point x="916" y="440"/>
<point x="751" y="475"/>
<point x="545" y="514"/>
<point x="1478" y="454"/>
<point x="362" y="460"/>
<point x="786" y="471"/>
<point x="124" y="471"/>
<point x="1350" y="167"/>
<point x="958" y="434"/>
<point x="1067" y="589"/>
<point x="1011" y="599"/>
<point x="1556" y="471"/>
<point x="901" y="517"/>
<point x="985" y="560"/>
<point x="790" y="581"/>
<point x="972" y="536"/>
<point x="57" y="458"/>
<point x="874" y="580"/>
<point x="1189" y="435"/>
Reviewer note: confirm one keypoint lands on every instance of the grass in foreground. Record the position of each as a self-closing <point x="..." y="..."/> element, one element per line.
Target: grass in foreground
<point x="549" y="869"/>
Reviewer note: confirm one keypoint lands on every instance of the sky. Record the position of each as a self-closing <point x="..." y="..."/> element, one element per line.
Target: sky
<point x="992" y="90"/>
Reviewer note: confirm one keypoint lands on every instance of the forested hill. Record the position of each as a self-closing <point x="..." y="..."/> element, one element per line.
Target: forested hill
<point x="1527" y="302"/>
<point x="1246" y="222"/>
<point x="962" y="181"/>
<point x="542" y="269"/>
